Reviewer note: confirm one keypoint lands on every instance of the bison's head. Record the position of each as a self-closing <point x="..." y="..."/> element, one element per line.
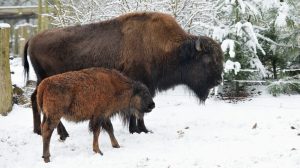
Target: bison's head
<point x="201" y="63"/>
<point x="142" y="100"/>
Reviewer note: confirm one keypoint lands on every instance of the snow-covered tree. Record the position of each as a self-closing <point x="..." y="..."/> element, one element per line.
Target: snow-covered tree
<point x="280" y="34"/>
<point x="195" y="16"/>
<point x="237" y="25"/>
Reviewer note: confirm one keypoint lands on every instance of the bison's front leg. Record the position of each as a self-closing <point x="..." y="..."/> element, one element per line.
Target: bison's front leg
<point x="137" y="125"/>
<point x="108" y="127"/>
<point x="133" y="125"/>
<point x="141" y="125"/>
<point x="62" y="132"/>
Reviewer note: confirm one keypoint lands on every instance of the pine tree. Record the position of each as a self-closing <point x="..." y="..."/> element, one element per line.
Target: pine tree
<point x="280" y="36"/>
<point x="237" y="19"/>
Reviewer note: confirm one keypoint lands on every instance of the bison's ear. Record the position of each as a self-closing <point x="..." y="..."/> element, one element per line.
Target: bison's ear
<point x="188" y="51"/>
<point x="198" y="45"/>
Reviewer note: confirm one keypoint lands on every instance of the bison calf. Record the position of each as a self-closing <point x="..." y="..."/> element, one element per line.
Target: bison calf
<point x="93" y="94"/>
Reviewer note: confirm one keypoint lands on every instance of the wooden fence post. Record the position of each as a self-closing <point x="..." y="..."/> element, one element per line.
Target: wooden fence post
<point x="44" y="22"/>
<point x="43" y="15"/>
<point x="40" y="11"/>
<point x="5" y="78"/>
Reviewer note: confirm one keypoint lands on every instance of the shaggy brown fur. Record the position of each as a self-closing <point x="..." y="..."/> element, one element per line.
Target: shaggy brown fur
<point x="148" y="47"/>
<point x="93" y="94"/>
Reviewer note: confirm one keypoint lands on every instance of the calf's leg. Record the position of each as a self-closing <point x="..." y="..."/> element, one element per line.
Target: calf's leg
<point x="95" y="125"/>
<point x="108" y="127"/>
<point x="48" y="126"/>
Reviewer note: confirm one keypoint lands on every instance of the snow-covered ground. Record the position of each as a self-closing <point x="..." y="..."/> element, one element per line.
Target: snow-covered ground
<point x="185" y="135"/>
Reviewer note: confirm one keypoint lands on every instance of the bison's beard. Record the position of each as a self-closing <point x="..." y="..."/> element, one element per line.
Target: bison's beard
<point x="125" y="115"/>
<point x="201" y="92"/>
<point x="202" y="95"/>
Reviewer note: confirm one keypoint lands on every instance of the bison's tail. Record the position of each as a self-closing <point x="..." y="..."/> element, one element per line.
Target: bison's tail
<point x="25" y="62"/>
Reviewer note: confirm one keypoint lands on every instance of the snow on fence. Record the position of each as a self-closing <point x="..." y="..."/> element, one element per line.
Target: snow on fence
<point x="5" y="78"/>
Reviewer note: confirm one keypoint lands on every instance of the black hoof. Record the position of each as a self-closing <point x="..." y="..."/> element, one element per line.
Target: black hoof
<point x="46" y="159"/>
<point x="145" y="130"/>
<point x="62" y="132"/>
<point x="99" y="152"/>
<point x="37" y="131"/>
<point x="63" y="137"/>
<point x="134" y="130"/>
<point x="116" y="146"/>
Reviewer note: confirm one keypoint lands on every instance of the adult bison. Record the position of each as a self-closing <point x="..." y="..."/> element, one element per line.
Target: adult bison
<point x="149" y="47"/>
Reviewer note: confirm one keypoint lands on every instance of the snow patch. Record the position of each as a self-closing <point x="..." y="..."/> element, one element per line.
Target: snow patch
<point x="282" y="15"/>
<point x="219" y="33"/>
<point x="248" y="28"/>
<point x="4" y="25"/>
<point x="238" y="28"/>
<point x="24" y="25"/>
<point x="242" y="5"/>
<point x="256" y="63"/>
<point x="228" y="44"/>
<point x="230" y="65"/>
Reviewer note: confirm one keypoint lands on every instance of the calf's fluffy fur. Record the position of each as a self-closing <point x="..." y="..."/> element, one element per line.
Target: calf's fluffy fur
<point x="93" y="94"/>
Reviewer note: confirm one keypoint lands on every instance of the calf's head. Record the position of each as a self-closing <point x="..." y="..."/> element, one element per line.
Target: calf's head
<point x="142" y="100"/>
<point x="202" y="65"/>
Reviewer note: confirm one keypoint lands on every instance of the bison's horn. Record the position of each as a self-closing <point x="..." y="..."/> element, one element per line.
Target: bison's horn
<point x="198" y="47"/>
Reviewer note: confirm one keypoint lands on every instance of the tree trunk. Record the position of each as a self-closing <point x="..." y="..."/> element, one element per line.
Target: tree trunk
<point x="5" y="79"/>
<point x="274" y="68"/>
<point x="40" y="12"/>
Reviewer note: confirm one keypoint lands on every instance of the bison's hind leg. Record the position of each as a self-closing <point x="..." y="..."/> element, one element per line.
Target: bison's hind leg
<point x="62" y="132"/>
<point x="108" y="127"/>
<point x="94" y="126"/>
<point x="36" y="114"/>
<point x="48" y="125"/>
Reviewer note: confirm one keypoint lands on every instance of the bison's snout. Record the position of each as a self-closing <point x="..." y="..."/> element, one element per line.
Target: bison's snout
<point x="150" y="107"/>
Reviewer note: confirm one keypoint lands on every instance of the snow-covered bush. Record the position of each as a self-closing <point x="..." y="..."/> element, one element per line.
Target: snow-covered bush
<point x="289" y="85"/>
